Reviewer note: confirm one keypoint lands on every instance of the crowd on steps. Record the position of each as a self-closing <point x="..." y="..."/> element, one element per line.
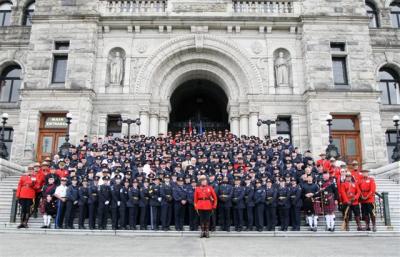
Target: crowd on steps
<point x="210" y="180"/>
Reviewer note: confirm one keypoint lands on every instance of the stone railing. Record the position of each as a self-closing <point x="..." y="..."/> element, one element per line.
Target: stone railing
<point x="8" y="168"/>
<point x="390" y="171"/>
<point x="198" y="7"/>
<point x="262" y="7"/>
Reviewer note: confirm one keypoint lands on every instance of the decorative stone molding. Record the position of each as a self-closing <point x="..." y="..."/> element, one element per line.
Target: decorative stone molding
<point x="256" y="47"/>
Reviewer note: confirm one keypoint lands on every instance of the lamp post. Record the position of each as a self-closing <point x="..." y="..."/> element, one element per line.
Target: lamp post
<point x="331" y="150"/>
<point x="129" y="122"/>
<point x="396" y="150"/>
<point x="3" y="147"/>
<point x="64" y="148"/>
<point x="268" y="123"/>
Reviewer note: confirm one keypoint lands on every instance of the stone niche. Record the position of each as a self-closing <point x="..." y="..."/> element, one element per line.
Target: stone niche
<point x="115" y="74"/>
<point x="283" y="71"/>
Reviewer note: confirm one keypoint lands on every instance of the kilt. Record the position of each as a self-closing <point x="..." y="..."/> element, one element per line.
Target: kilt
<point x="329" y="205"/>
<point x="308" y="206"/>
<point x="317" y="207"/>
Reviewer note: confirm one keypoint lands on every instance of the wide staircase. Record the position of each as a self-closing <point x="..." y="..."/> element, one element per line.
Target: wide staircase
<point x="384" y="184"/>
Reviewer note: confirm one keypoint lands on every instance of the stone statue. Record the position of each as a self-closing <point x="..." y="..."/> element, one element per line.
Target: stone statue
<point x="116" y="69"/>
<point x="281" y="70"/>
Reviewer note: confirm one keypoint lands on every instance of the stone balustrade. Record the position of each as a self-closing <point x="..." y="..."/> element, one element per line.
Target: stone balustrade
<point x="263" y="7"/>
<point x="134" y="6"/>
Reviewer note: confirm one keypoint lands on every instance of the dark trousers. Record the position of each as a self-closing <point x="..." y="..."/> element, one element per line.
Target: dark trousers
<point x="92" y="215"/>
<point x="144" y="216"/>
<point x="166" y="214"/>
<point x="123" y="216"/>
<point x="193" y="217"/>
<point x="284" y="217"/>
<point x="38" y="197"/>
<point x="69" y="214"/>
<point x="114" y="217"/>
<point x="259" y="216"/>
<point x="60" y="214"/>
<point x="82" y="214"/>
<point x="270" y="217"/>
<point x="238" y="218"/>
<point x="295" y="213"/>
<point x="250" y="217"/>
<point x="213" y="221"/>
<point x="102" y="215"/>
<point x="179" y="211"/>
<point x="225" y="214"/>
<point x="155" y="216"/>
<point x="133" y="214"/>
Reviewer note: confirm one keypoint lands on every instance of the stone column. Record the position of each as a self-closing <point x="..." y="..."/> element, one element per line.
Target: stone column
<point x="384" y="18"/>
<point x="244" y="124"/>
<point x="253" y="128"/>
<point x="153" y="130"/>
<point x="144" y="127"/>
<point x="235" y="126"/>
<point x="163" y="127"/>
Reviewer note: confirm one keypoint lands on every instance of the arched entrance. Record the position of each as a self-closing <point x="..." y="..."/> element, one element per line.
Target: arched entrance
<point x="200" y="101"/>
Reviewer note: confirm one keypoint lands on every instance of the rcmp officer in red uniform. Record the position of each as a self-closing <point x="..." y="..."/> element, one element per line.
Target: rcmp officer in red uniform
<point x="205" y="200"/>
<point x="26" y="195"/>
<point x="350" y="193"/>
<point x="367" y="199"/>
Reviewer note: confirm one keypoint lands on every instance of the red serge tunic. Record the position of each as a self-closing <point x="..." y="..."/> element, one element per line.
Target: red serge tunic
<point x="26" y="188"/>
<point x="368" y="189"/>
<point x="205" y="198"/>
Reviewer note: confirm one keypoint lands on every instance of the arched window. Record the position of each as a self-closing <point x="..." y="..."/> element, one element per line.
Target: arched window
<point x="5" y="14"/>
<point x="10" y="82"/>
<point x="28" y="14"/>
<point x="389" y="85"/>
<point x="395" y="14"/>
<point x="372" y="14"/>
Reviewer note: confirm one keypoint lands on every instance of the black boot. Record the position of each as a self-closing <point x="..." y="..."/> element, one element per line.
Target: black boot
<point x="207" y="232"/>
<point x="373" y="223"/>
<point x="358" y="222"/>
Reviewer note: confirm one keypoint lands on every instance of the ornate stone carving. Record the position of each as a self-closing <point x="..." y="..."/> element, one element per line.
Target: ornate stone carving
<point x="116" y="64"/>
<point x="199" y="7"/>
<point x="282" y="68"/>
<point x="256" y="47"/>
<point x="141" y="47"/>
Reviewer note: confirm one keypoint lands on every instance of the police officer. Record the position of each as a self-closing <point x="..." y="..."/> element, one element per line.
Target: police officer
<point x="193" y="217"/>
<point x="83" y="202"/>
<point x="259" y="201"/>
<point x="238" y="204"/>
<point x="104" y="202"/>
<point x="155" y="203"/>
<point x="123" y="208"/>
<point x="144" y="204"/>
<point x="249" y="201"/>
<point x="166" y="203"/>
<point x="72" y="203"/>
<point x="133" y="203"/>
<point x="270" y="205"/>
<point x="225" y="193"/>
<point x="295" y="204"/>
<point x="115" y="201"/>
<point x="93" y="202"/>
<point x="283" y="197"/>
<point x="180" y="201"/>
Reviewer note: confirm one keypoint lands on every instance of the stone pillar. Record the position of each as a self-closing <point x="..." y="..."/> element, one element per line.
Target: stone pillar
<point x="124" y="126"/>
<point x="102" y="125"/>
<point x="163" y="126"/>
<point x="253" y="128"/>
<point x="235" y="126"/>
<point x="144" y="119"/>
<point x="384" y="18"/>
<point x="153" y="130"/>
<point x="244" y="124"/>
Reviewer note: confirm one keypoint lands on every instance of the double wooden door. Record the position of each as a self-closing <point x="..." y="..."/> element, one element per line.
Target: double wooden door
<point x="49" y="143"/>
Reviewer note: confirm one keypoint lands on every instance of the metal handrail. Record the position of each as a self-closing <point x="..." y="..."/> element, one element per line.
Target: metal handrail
<point x="14" y="207"/>
<point x="382" y="202"/>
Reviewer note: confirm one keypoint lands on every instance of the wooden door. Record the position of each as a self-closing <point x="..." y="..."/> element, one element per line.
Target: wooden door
<point x="49" y="144"/>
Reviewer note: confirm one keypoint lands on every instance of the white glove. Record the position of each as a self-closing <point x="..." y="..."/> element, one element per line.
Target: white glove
<point x="118" y="203"/>
<point x="75" y="202"/>
<point x="107" y="202"/>
<point x="159" y="199"/>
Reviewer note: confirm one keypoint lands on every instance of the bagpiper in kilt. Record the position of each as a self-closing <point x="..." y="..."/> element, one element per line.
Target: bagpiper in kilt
<point x="329" y="197"/>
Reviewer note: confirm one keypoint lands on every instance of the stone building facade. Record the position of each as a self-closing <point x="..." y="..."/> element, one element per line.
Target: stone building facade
<point x="128" y="57"/>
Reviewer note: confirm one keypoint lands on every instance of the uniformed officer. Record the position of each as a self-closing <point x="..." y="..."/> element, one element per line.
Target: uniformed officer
<point x="133" y="203"/>
<point x="115" y="201"/>
<point x="93" y="202"/>
<point x="238" y="204"/>
<point x="193" y="217"/>
<point x="309" y="189"/>
<point x="283" y="203"/>
<point x="270" y="205"/>
<point x="83" y="202"/>
<point x="249" y="201"/>
<point x="295" y="204"/>
<point x="155" y="203"/>
<point x="180" y="201"/>
<point x="72" y="203"/>
<point x="144" y="204"/>
<point x="123" y="208"/>
<point x="225" y="193"/>
<point x="259" y="201"/>
<point x="166" y="203"/>
<point x="104" y="202"/>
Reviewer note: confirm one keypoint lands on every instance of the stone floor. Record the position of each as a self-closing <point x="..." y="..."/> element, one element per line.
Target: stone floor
<point x="17" y="244"/>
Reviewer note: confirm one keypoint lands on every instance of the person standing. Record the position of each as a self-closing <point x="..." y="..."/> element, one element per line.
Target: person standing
<point x="225" y="193"/>
<point x="329" y="198"/>
<point x="71" y="203"/>
<point x="205" y="201"/>
<point x="115" y="201"/>
<point x="238" y="204"/>
<point x="249" y="201"/>
<point x="193" y="217"/>
<point x="83" y="202"/>
<point x="104" y="203"/>
<point x="144" y="204"/>
<point x="270" y="205"/>
<point x="123" y="208"/>
<point x="350" y="193"/>
<point x="283" y="203"/>
<point x="133" y="203"/>
<point x="259" y="201"/>
<point x="93" y="202"/>
<point x="61" y="194"/>
<point x="26" y="194"/>
<point x="368" y="188"/>
<point x="155" y="203"/>
<point x="309" y="191"/>
<point x="295" y="204"/>
<point x="180" y="201"/>
<point x="166" y="203"/>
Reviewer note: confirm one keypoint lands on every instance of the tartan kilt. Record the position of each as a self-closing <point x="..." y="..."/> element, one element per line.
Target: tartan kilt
<point x="329" y="205"/>
<point x="317" y="207"/>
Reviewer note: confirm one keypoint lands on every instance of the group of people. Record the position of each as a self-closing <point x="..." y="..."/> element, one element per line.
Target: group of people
<point x="199" y="180"/>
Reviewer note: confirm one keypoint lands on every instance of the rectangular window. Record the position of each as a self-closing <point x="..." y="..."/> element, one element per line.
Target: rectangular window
<point x="338" y="47"/>
<point x="8" y="138"/>
<point x="61" y="45"/>
<point x="390" y="143"/>
<point x="284" y="127"/>
<point x="113" y="126"/>
<point x="339" y="70"/>
<point x="59" y="68"/>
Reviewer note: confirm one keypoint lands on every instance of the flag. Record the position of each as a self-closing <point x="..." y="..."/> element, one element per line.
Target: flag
<point x="190" y="127"/>
<point x="201" y="128"/>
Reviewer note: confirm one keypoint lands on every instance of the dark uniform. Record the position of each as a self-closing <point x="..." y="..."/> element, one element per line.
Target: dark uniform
<point x="238" y="206"/>
<point x="115" y="202"/>
<point x="83" y="204"/>
<point x="123" y="208"/>
<point x="225" y="193"/>
<point x="259" y="201"/>
<point x="270" y="206"/>
<point x="104" y="204"/>
<point x="166" y="205"/>
<point x="133" y="204"/>
<point x="283" y="203"/>
<point x="249" y="201"/>
<point x="72" y="204"/>
<point x="193" y="217"/>
<point x="93" y="203"/>
<point x="295" y="205"/>
<point x="155" y="205"/>
<point x="144" y="206"/>
<point x="180" y="198"/>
